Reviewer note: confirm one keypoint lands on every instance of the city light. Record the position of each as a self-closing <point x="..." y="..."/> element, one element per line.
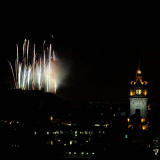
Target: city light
<point x="143" y="120"/>
<point x="51" y="118"/>
<point x="144" y="127"/>
<point x="128" y="120"/>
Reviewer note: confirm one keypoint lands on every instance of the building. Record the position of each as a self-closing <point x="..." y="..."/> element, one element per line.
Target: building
<point x="138" y="95"/>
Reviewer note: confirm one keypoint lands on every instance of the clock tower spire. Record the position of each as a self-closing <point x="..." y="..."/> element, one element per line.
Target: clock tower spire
<point x="138" y="94"/>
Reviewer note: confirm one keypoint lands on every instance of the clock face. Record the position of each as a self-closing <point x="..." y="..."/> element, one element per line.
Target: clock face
<point x="138" y="91"/>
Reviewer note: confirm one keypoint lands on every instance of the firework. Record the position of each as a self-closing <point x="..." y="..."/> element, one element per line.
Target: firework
<point x="39" y="72"/>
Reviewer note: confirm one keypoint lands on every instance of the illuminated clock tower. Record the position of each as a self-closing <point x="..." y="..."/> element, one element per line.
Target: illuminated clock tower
<point x="138" y="95"/>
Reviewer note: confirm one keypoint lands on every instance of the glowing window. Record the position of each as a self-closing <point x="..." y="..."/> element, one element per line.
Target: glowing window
<point x="70" y="142"/>
<point x="47" y="133"/>
<point x="143" y="120"/>
<point x="128" y="119"/>
<point x="145" y="92"/>
<point x="51" y="118"/>
<point x="126" y="136"/>
<point x="138" y="91"/>
<point x="138" y="71"/>
<point x="51" y="143"/>
<point x="132" y="93"/>
<point x="130" y="126"/>
<point x="144" y="127"/>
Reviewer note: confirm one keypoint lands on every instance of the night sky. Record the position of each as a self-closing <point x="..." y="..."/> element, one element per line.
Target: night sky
<point x="101" y="46"/>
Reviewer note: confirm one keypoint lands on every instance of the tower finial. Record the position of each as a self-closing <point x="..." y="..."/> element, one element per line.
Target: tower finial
<point x="139" y="72"/>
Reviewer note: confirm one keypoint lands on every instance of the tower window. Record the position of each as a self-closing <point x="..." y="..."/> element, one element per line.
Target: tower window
<point x="145" y="92"/>
<point x="143" y="120"/>
<point x="132" y="93"/>
<point x="138" y="91"/>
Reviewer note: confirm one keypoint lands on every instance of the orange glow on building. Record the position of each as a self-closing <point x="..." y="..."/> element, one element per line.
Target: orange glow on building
<point x="143" y="120"/>
<point x="130" y="126"/>
<point x="132" y="93"/>
<point x="128" y="120"/>
<point x="149" y="107"/>
<point x="144" y="127"/>
<point x="145" y="92"/>
<point x="145" y="82"/>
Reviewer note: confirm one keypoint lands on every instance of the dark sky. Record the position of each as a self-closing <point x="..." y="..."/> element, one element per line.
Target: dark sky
<point x="100" y="44"/>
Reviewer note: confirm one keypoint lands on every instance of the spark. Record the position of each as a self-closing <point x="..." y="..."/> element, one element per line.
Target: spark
<point x="37" y="74"/>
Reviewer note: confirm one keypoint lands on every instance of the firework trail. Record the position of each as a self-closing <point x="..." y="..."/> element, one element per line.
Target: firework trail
<point x="37" y="74"/>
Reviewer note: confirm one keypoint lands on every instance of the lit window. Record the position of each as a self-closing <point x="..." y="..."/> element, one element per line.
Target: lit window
<point x="128" y="120"/>
<point x="130" y="126"/>
<point x="47" y="133"/>
<point x="51" y="118"/>
<point x="145" y="82"/>
<point x="126" y="136"/>
<point x="75" y="133"/>
<point x="145" y="92"/>
<point x="144" y="127"/>
<point x="143" y="120"/>
<point x="51" y="143"/>
<point x="132" y="93"/>
<point x="138" y="91"/>
<point x="138" y="71"/>
<point x="70" y="142"/>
